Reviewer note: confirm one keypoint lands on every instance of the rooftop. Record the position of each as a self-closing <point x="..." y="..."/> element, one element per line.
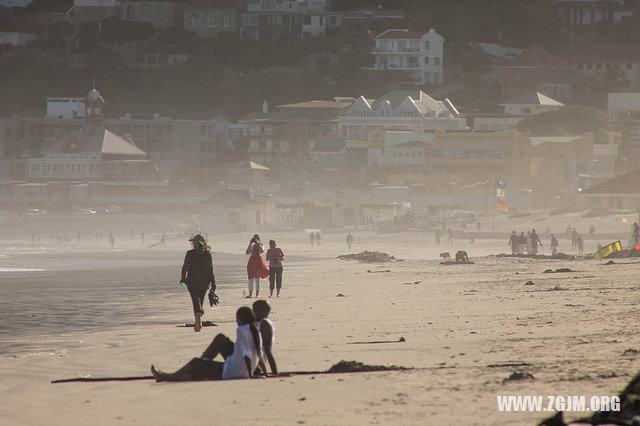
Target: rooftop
<point x="624" y="184"/>
<point x="97" y="141"/>
<point x="532" y="98"/>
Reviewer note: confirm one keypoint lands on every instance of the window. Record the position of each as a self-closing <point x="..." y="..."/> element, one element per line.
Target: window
<point x="131" y="12"/>
<point x="588" y="66"/>
<point x="579" y="66"/>
<point x="321" y="20"/>
<point x="333" y="20"/>
<point x="144" y="12"/>
<point x="195" y="21"/>
<point x="426" y="45"/>
<point x="436" y="60"/>
<point x="225" y="21"/>
<point x="598" y="65"/>
<point x="209" y="21"/>
<point x="426" y="60"/>
<point x="307" y="20"/>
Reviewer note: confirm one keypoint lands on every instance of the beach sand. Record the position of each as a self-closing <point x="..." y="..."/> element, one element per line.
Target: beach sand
<point x="103" y="312"/>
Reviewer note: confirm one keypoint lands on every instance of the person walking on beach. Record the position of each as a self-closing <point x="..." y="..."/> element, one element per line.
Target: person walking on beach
<point x="574" y="239"/>
<point x="197" y="275"/>
<point x="142" y="237"/>
<point x="636" y="233"/>
<point x="522" y="243"/>
<point x="162" y="241"/>
<point x="554" y="245"/>
<point x="312" y="238"/>
<point x="318" y="238"/>
<point x="241" y="358"/>
<point x="450" y="237"/>
<point x="349" y="240"/>
<point x="437" y="235"/>
<point x="513" y="242"/>
<point x="535" y="242"/>
<point x="580" y="243"/>
<point x="274" y="256"/>
<point x="529" y="243"/>
<point x="256" y="268"/>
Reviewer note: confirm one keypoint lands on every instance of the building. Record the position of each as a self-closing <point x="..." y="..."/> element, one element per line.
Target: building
<point x="235" y="211"/>
<point x="361" y="23"/>
<point x="15" y="3"/>
<point x="159" y="13"/>
<point x="417" y="56"/>
<point x="18" y="31"/>
<point x="536" y="70"/>
<point x="622" y="192"/>
<point x="93" y="10"/>
<point x="405" y="110"/>
<point x="288" y="133"/>
<point x="209" y="18"/>
<point x="407" y="150"/>
<point x="629" y="150"/>
<point x="530" y="104"/>
<point x="560" y="167"/>
<point x="622" y="102"/>
<point x="593" y="60"/>
<point x="605" y="157"/>
<point x="268" y="21"/>
<point x="589" y="14"/>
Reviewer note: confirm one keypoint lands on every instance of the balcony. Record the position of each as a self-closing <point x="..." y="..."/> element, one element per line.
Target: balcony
<point x="376" y="50"/>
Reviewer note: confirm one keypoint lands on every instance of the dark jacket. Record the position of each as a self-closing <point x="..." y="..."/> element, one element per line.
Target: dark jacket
<point x="197" y="270"/>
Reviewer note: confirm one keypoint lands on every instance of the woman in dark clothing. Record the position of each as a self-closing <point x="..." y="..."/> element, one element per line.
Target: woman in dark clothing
<point x="197" y="274"/>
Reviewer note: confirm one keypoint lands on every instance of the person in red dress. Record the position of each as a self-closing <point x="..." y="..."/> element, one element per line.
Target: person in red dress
<point x="256" y="268"/>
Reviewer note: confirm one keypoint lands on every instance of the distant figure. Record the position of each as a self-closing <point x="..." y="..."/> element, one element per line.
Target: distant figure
<point x="513" y="242"/>
<point x="574" y="239"/>
<point x="450" y="237"/>
<point x="636" y="233"/>
<point x="592" y="230"/>
<point x="479" y="226"/>
<point x="131" y="234"/>
<point x="312" y="238"/>
<point x="142" y="237"/>
<point x="274" y="256"/>
<point x="112" y="241"/>
<point x="256" y="268"/>
<point x="79" y="236"/>
<point x="33" y="238"/>
<point x="462" y="257"/>
<point x="464" y="225"/>
<point x="197" y="275"/>
<point x="522" y="243"/>
<point x="529" y="247"/>
<point x="554" y="245"/>
<point x="580" y="243"/>
<point x="349" y="240"/>
<point x="547" y="231"/>
<point x="568" y="231"/>
<point x="535" y="242"/>
<point x="598" y="247"/>
<point x="318" y="238"/>
<point x="437" y="234"/>
<point x="162" y="241"/>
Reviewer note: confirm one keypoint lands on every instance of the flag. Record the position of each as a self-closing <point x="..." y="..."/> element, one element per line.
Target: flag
<point x="501" y="188"/>
<point x="502" y="205"/>
<point x="608" y="250"/>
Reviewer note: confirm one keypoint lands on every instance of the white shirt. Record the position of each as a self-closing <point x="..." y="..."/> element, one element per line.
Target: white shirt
<point x="235" y="366"/>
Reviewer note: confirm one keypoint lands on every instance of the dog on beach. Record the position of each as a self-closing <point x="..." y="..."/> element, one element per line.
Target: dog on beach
<point x="445" y="255"/>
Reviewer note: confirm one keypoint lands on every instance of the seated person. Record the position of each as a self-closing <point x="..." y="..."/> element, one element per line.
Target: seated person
<point x="240" y="358"/>
<point x="262" y="309"/>
<point x="461" y="257"/>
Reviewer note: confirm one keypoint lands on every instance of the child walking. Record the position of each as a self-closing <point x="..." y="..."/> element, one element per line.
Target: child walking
<point x="256" y="268"/>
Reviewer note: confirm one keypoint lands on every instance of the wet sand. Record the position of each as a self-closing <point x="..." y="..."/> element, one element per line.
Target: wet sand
<point x="574" y="329"/>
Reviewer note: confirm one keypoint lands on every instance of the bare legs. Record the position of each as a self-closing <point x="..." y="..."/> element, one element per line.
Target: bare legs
<point x="197" y="326"/>
<point x="250" y="284"/>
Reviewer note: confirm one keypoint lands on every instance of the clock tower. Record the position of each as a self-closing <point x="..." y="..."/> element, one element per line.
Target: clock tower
<point x="94" y="105"/>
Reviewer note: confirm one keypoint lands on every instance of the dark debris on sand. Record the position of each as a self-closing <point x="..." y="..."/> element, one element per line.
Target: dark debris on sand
<point x="517" y="376"/>
<point x="358" y="367"/>
<point x="368" y="257"/>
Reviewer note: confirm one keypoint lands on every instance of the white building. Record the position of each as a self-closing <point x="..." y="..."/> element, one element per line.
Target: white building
<point x="593" y="60"/>
<point x="530" y="104"/>
<point x="418" y="55"/>
<point x="65" y="108"/>
<point x="618" y="103"/>
<point x="406" y="110"/>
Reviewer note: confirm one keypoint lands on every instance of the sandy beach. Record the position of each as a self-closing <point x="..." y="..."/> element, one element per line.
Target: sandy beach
<point x="77" y="310"/>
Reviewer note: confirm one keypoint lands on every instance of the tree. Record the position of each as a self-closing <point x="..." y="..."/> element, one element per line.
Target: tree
<point x="570" y="120"/>
<point x="612" y="78"/>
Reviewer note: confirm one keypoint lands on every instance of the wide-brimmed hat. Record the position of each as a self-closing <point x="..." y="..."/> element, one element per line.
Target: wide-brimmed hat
<point x="199" y="238"/>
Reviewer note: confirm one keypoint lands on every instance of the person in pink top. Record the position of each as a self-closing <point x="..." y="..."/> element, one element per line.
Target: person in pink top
<point x="275" y="256"/>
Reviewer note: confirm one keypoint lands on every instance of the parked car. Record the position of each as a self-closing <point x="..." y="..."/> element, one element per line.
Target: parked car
<point x="34" y="212"/>
<point x="82" y="211"/>
<point x="113" y="209"/>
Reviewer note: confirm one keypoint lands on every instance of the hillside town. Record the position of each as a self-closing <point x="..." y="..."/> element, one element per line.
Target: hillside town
<point x="426" y="131"/>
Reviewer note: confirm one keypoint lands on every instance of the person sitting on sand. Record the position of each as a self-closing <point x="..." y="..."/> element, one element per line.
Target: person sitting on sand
<point x="261" y="309"/>
<point x="256" y="268"/>
<point x="197" y="275"/>
<point x="462" y="257"/>
<point x="240" y="358"/>
<point x="274" y="256"/>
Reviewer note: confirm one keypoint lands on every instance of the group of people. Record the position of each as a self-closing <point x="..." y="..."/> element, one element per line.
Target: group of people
<point x="257" y="268"/>
<point x="521" y="244"/>
<point x="243" y="359"/>
<point x="315" y="238"/>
